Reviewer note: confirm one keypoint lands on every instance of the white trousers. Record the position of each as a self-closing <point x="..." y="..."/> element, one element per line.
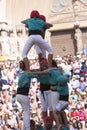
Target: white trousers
<point x="56" y="103"/>
<point x="61" y="105"/>
<point x="54" y="99"/>
<point x="36" y="40"/>
<point x="40" y="50"/>
<point x="24" y="101"/>
<point x="46" y="100"/>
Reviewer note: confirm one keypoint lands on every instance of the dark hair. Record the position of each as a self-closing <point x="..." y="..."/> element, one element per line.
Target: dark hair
<point x="22" y="65"/>
<point x="32" y="122"/>
<point x="54" y="64"/>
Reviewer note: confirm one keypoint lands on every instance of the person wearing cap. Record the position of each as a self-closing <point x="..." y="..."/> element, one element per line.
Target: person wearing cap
<point x="45" y="82"/>
<point x="46" y="26"/>
<point x="35" y="26"/>
<point x="54" y="73"/>
<point x="48" y="123"/>
<point x="34" y="126"/>
<point x="45" y="92"/>
<point x="41" y="52"/>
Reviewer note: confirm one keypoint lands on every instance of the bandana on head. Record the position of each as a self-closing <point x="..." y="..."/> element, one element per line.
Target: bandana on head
<point x="43" y="61"/>
<point x="48" y="118"/>
<point x="34" y="14"/>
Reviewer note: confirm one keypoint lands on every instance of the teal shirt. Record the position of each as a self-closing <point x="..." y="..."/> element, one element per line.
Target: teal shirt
<point x="47" y="26"/>
<point x="34" y="24"/>
<point x="63" y="87"/>
<point x="24" y="79"/>
<point x="63" y="90"/>
<point x="54" y="74"/>
<point x="42" y="128"/>
<point x="44" y="78"/>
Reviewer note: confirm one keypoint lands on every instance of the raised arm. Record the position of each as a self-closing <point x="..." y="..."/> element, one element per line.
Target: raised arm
<point x="39" y="72"/>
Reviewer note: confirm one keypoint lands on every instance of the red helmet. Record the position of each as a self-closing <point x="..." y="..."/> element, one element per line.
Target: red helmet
<point x="42" y="17"/>
<point x="48" y="119"/>
<point x="34" y="14"/>
<point x="43" y="61"/>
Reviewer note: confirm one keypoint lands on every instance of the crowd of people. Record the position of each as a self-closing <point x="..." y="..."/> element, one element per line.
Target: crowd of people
<point x="11" y="113"/>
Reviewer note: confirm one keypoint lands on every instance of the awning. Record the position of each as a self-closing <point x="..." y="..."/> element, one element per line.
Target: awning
<point x="3" y="58"/>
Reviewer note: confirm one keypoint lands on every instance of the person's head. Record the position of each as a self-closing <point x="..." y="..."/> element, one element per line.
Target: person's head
<point x="22" y="65"/>
<point x="48" y="121"/>
<point x="43" y="64"/>
<point x="34" y="14"/>
<point x="32" y="99"/>
<point x="74" y="77"/>
<point x="43" y="18"/>
<point x="54" y="64"/>
<point x="82" y="79"/>
<point x="79" y="125"/>
<point x="32" y="124"/>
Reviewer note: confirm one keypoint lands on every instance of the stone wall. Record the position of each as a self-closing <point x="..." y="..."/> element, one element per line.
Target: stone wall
<point x="12" y="39"/>
<point x="63" y="43"/>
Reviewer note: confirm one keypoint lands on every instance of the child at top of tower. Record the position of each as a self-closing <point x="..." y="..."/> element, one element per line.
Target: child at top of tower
<point x="36" y="27"/>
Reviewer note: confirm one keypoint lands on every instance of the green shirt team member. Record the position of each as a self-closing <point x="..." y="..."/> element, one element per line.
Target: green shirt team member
<point x="24" y="80"/>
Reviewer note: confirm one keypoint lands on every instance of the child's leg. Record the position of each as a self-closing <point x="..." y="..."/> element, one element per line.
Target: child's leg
<point x="56" y="115"/>
<point x="58" y="119"/>
<point x="44" y="114"/>
<point x="64" y="118"/>
<point x="50" y="57"/>
<point x="26" y="49"/>
<point x="48" y="123"/>
<point x="40" y="52"/>
<point x="26" y="61"/>
<point x="39" y="57"/>
<point x="43" y="45"/>
<point x="51" y="115"/>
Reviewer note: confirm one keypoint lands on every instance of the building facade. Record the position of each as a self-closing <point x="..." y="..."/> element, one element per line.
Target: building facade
<point x="67" y="36"/>
<point x="69" y="33"/>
